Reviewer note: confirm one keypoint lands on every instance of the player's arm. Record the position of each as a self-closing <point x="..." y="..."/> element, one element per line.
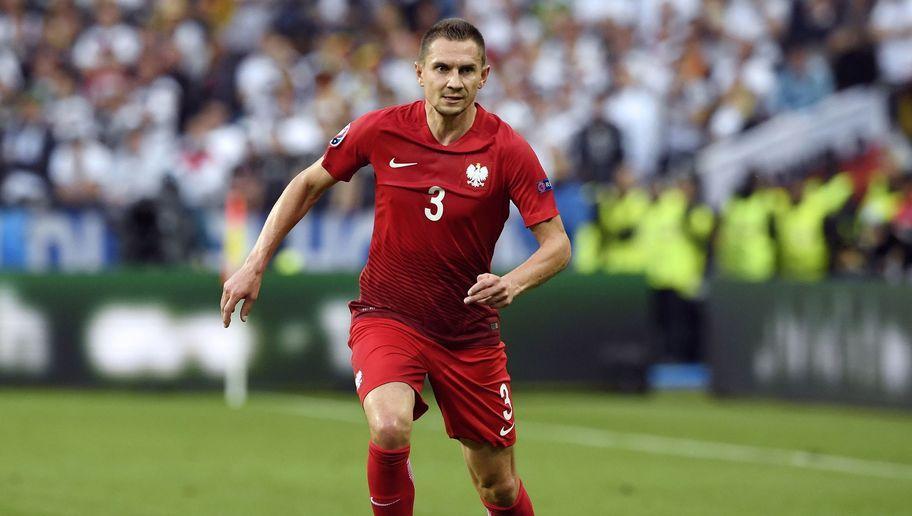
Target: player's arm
<point x="298" y="198"/>
<point x="552" y="256"/>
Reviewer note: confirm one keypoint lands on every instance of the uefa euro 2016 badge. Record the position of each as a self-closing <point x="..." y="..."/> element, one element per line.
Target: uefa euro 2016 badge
<point x="339" y="137"/>
<point x="477" y="175"/>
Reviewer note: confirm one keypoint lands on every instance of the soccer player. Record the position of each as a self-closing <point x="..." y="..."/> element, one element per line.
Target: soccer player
<point x="446" y="171"/>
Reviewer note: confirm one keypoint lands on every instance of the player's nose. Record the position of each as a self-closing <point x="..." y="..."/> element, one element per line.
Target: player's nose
<point x="454" y="82"/>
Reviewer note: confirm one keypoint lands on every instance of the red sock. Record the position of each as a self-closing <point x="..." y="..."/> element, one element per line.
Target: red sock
<point x="521" y="507"/>
<point x="389" y="478"/>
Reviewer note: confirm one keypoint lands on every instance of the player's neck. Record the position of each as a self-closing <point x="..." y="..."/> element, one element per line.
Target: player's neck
<point x="448" y="129"/>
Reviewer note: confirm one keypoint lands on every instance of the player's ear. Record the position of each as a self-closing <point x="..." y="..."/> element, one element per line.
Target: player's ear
<point x="418" y="70"/>
<point x="485" y="71"/>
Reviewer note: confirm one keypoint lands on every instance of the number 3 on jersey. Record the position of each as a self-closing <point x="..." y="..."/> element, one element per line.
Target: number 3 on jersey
<point x="437" y="195"/>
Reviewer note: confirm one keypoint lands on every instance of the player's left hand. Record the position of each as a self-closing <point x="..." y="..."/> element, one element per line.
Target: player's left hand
<point x="491" y="290"/>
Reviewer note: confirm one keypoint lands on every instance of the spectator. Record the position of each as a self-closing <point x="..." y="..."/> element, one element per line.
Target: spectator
<point x="210" y="150"/>
<point x="10" y="74"/>
<point x="891" y="23"/>
<point x="598" y="150"/>
<point x="70" y="113"/>
<point x="188" y="37"/>
<point x="813" y="21"/>
<point x="281" y="145"/>
<point x="804" y="80"/>
<point x="899" y="246"/>
<point x="261" y="75"/>
<point x="690" y="100"/>
<point x="62" y="25"/>
<point x="851" y="46"/>
<point x="137" y="172"/>
<point x="20" y="29"/>
<point x="290" y="133"/>
<point x="154" y="102"/>
<point x="26" y="149"/>
<point x="78" y="169"/>
<point x="110" y="39"/>
<point x="637" y="112"/>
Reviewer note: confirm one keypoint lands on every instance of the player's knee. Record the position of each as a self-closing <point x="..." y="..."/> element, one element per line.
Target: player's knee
<point x="391" y="433"/>
<point x="498" y="489"/>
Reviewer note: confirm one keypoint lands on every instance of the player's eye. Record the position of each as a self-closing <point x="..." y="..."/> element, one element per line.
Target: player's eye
<point x="441" y="68"/>
<point x="465" y="70"/>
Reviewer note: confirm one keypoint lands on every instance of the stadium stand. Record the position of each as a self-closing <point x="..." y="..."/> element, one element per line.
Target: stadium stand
<point x="127" y="123"/>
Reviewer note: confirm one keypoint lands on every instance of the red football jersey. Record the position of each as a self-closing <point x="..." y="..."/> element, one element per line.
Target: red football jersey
<point x="439" y="210"/>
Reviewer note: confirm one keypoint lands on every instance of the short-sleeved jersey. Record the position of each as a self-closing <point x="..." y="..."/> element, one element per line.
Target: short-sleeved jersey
<point x="439" y="210"/>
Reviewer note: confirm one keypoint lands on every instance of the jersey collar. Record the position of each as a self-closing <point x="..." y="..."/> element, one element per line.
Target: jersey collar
<point x="474" y="139"/>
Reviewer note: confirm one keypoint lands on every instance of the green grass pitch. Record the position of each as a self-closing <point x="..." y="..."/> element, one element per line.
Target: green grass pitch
<point x="105" y="453"/>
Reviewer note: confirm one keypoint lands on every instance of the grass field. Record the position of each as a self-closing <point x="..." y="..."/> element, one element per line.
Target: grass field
<point x="101" y="453"/>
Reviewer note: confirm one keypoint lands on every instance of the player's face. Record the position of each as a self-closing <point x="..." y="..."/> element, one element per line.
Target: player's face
<point x="451" y="75"/>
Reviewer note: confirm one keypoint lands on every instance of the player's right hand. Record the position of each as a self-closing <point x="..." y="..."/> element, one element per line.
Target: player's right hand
<point x="243" y="284"/>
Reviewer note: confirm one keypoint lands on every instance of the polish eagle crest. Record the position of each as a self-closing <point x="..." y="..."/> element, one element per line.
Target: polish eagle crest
<point x="477" y="175"/>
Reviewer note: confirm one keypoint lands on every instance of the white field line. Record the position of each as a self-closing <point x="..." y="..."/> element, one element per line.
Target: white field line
<point x="711" y="450"/>
<point x="319" y="408"/>
<point x="325" y="409"/>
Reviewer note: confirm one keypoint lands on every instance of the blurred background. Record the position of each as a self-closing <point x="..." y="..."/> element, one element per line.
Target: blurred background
<point x="735" y="175"/>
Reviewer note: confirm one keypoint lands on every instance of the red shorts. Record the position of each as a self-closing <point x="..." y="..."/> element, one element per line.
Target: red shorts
<point x="471" y="385"/>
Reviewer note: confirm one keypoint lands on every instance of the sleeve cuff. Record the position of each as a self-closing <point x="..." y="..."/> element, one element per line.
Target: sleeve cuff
<point x="330" y="167"/>
<point x="538" y="218"/>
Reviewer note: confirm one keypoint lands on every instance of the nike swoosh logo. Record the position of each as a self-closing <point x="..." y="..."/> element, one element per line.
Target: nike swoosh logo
<point x="393" y="164"/>
<point x="505" y="431"/>
<point x="378" y="504"/>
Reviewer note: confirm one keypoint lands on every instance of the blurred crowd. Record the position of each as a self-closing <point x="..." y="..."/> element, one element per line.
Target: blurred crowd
<point x="154" y="111"/>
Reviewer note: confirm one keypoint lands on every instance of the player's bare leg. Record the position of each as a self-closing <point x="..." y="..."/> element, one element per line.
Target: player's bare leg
<point x="388" y="409"/>
<point x="389" y="414"/>
<point x="493" y="472"/>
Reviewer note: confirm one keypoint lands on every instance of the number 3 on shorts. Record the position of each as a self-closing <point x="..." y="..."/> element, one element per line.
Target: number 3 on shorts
<point x="437" y="194"/>
<point x="505" y="394"/>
